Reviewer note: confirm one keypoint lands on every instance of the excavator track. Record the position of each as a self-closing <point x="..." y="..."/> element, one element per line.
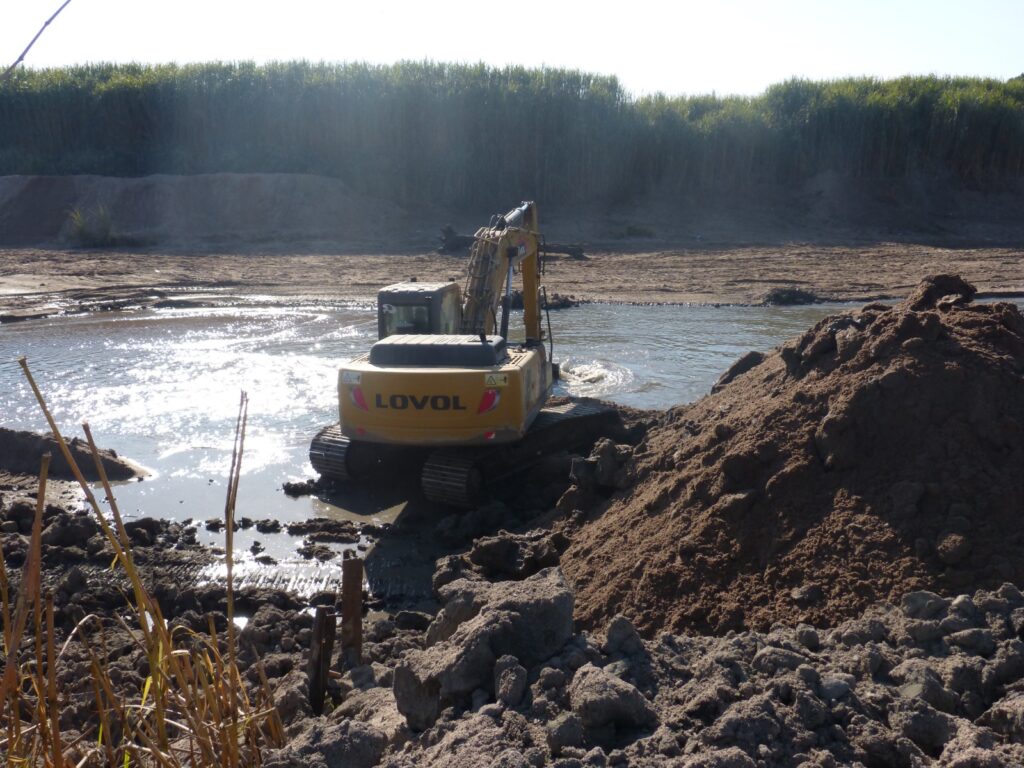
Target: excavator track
<point x="328" y="453"/>
<point x="452" y="477"/>
<point x="340" y="460"/>
<point x="457" y="477"/>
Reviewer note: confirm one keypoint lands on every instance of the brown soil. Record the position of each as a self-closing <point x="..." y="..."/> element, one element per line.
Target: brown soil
<point x="292" y="235"/>
<point x="20" y="454"/>
<point x="877" y="453"/>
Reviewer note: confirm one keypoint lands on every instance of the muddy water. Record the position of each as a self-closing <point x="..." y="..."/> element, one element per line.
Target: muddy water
<point x="162" y="387"/>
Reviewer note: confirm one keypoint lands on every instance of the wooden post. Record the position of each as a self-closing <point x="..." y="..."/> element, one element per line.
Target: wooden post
<point x="352" y="611"/>
<point x="321" y="648"/>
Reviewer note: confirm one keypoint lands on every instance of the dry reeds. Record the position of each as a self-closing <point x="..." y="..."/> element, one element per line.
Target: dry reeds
<point x="193" y="709"/>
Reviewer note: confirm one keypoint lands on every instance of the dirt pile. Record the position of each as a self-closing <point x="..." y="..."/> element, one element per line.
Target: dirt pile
<point x="20" y="453"/>
<point x="880" y="452"/>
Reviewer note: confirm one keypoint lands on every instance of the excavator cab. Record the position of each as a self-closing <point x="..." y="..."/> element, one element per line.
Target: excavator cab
<point x="418" y="308"/>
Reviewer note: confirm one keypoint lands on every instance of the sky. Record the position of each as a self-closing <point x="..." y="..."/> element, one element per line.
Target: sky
<point x="681" y="47"/>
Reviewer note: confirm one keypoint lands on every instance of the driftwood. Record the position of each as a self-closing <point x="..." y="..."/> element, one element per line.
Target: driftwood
<point x="453" y="242"/>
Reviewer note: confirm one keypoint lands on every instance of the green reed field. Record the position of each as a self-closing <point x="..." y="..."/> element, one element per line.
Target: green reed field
<point x="465" y="134"/>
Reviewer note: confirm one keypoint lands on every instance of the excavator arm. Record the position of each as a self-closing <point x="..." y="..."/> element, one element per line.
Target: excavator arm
<point x="512" y="241"/>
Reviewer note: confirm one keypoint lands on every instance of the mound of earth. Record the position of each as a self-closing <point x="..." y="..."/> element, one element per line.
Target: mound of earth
<point x="227" y="208"/>
<point x="20" y="454"/>
<point x="879" y="453"/>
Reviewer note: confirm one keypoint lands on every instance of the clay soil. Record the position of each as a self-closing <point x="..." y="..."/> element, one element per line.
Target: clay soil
<point x="879" y="452"/>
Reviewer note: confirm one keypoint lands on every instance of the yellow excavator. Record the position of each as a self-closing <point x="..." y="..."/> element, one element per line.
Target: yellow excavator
<point x="443" y="384"/>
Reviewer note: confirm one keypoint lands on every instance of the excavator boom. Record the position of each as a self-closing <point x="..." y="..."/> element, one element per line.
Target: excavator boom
<point x="509" y="243"/>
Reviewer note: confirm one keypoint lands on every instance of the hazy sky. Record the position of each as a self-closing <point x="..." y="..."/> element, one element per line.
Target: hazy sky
<point x="726" y="46"/>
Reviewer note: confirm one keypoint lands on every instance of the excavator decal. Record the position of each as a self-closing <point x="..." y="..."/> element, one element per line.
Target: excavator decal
<point x="419" y="402"/>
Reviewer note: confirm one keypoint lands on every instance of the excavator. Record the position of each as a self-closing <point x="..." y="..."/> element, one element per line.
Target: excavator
<point x="445" y="391"/>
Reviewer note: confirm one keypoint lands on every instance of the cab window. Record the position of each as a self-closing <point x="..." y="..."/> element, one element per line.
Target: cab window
<point x="406" y="318"/>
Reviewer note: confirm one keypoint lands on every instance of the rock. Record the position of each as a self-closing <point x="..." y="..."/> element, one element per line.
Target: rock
<point x="530" y="620"/>
<point x="733" y="757"/>
<point x="1011" y="594"/>
<point x="550" y="677"/>
<point x="807" y="636"/>
<point x="1017" y="621"/>
<point x="953" y="548"/>
<point x="510" y="758"/>
<point x="748" y="723"/>
<point x="67" y="530"/>
<point x="516" y="556"/>
<point x="809" y="594"/>
<point x="924" y="631"/>
<point x="463" y="599"/>
<point x="979" y="641"/>
<point x="510" y="681"/>
<point x="609" y="464"/>
<point x="291" y="696"/>
<point x="923" y="605"/>
<point x="73" y="581"/>
<point x="373" y="675"/>
<point x="771" y="660"/>
<point x="601" y="699"/>
<point x="381" y="629"/>
<point x="348" y="744"/>
<point x="566" y="730"/>
<point x="1006" y="717"/>
<point x="622" y="637"/>
<point x="375" y="707"/>
<point x="412" y="620"/>
<point x="834" y="688"/>
<point x="448" y="569"/>
<point x="915" y="720"/>
<point x="919" y="681"/>
<point x="268" y="526"/>
<point x="933" y="288"/>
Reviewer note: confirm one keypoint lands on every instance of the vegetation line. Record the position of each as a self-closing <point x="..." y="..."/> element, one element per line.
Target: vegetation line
<point x="453" y="134"/>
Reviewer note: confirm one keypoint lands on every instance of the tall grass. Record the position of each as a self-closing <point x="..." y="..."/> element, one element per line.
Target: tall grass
<point x="423" y="132"/>
<point x="193" y="709"/>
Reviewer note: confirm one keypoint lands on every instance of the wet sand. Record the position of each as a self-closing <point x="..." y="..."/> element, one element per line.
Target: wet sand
<point x="47" y="281"/>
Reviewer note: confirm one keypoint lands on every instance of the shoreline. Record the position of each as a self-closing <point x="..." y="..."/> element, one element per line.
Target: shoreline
<point x="37" y="283"/>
